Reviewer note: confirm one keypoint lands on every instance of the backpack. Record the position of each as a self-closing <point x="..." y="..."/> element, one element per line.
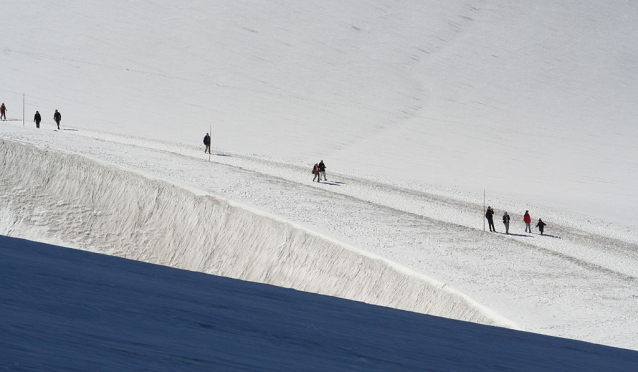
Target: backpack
<point x="315" y="169"/>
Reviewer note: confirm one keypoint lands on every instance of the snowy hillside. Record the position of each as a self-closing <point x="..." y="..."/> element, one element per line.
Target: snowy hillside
<point x="77" y="311"/>
<point x="416" y="107"/>
<point x="533" y="102"/>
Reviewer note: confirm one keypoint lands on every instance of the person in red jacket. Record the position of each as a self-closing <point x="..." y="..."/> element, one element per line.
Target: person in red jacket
<point x="315" y="171"/>
<point x="528" y="220"/>
<point x="3" y="112"/>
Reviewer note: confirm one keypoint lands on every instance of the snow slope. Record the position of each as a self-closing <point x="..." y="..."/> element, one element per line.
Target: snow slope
<point x="101" y="209"/>
<point x="576" y="283"/>
<point x="415" y="106"/>
<point x="530" y="101"/>
<point x="68" y="310"/>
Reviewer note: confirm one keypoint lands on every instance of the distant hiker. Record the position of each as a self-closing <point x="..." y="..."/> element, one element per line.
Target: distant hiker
<point x="541" y="225"/>
<point x="3" y="112"/>
<point x="37" y="118"/>
<point x="315" y="171"/>
<point x="207" y="143"/>
<point x="528" y="220"/>
<point x="506" y="222"/>
<point x="57" y="117"/>
<point x="490" y="218"/>
<point x="322" y="170"/>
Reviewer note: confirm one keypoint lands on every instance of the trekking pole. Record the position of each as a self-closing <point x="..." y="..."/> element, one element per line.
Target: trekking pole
<point x="23" y="109"/>
<point x="210" y="141"/>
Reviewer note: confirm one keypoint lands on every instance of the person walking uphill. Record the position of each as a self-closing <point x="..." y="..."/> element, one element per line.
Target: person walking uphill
<point x="207" y="143"/>
<point x="57" y="117"/>
<point x="3" y="112"/>
<point x="37" y="118"/>
<point x="490" y="218"/>
<point x="541" y="225"/>
<point x="528" y="220"/>
<point x="506" y="222"/>
<point x="322" y="170"/>
<point x="315" y="171"/>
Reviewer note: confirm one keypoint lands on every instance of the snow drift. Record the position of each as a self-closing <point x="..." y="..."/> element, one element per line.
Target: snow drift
<point x="63" y="198"/>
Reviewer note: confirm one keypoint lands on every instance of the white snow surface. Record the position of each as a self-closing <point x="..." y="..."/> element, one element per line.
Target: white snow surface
<point x="69" y="310"/>
<point x="416" y="108"/>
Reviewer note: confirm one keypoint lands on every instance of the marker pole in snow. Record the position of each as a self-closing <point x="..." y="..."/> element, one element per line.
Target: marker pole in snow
<point x="483" y="210"/>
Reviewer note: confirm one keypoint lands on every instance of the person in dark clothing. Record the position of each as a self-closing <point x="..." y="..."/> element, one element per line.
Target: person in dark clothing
<point x="506" y="222"/>
<point x="322" y="170"/>
<point x="37" y="118"/>
<point x="207" y="143"/>
<point x="57" y="117"/>
<point x="490" y="218"/>
<point x="541" y="225"/>
<point x="3" y="112"/>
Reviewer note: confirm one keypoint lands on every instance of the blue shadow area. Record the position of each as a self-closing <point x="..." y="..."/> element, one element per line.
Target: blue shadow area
<point x="69" y="310"/>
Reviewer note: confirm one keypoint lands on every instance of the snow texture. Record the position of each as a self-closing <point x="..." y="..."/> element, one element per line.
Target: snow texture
<point x="101" y="209"/>
<point x="69" y="310"/>
<point x="416" y="107"/>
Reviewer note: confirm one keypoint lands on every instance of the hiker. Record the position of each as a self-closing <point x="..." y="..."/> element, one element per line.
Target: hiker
<point x="37" y="118"/>
<point x="315" y="171"/>
<point x="506" y="222"/>
<point x="528" y="220"/>
<point x="322" y="170"/>
<point x="3" y="112"/>
<point x="57" y="117"/>
<point x="490" y="218"/>
<point x="541" y="225"/>
<point x="207" y="143"/>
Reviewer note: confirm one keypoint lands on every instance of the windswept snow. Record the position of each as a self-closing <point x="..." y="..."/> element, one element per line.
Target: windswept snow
<point x="417" y="107"/>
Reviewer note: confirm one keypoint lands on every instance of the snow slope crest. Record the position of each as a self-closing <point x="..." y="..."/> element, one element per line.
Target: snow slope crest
<point x="107" y="210"/>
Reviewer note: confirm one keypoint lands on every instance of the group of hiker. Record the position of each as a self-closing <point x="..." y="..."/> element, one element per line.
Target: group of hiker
<point x="319" y="170"/>
<point x="489" y="215"/>
<point x="37" y="118"/>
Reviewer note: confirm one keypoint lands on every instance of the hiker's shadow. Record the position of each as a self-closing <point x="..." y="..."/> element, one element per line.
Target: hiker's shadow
<point x="333" y="183"/>
<point x="522" y="235"/>
<point x="552" y="236"/>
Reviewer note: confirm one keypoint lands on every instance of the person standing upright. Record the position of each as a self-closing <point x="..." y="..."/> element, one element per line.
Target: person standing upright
<point x="37" y="118"/>
<point x="3" y="112"/>
<point x="207" y="143"/>
<point x="322" y="170"/>
<point x="506" y="222"/>
<point x="57" y="117"/>
<point x="490" y="218"/>
<point x="528" y="220"/>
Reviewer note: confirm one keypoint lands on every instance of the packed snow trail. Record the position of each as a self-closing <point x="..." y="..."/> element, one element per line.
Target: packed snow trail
<point x="566" y="287"/>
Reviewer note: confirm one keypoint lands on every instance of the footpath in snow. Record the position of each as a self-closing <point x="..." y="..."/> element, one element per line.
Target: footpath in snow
<point x="578" y="282"/>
